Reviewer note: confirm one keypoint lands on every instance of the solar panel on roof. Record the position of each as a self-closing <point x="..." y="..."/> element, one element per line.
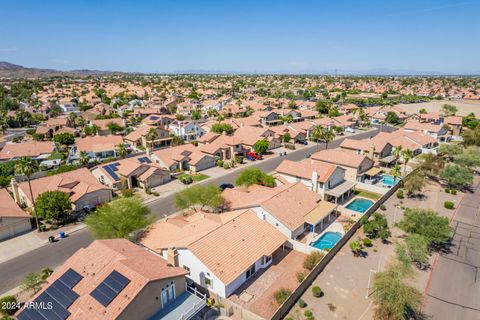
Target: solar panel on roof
<point x="144" y="160"/>
<point x="110" y="169"/>
<point x="154" y="118"/>
<point x="106" y="291"/>
<point x="70" y="278"/>
<point x="30" y="314"/>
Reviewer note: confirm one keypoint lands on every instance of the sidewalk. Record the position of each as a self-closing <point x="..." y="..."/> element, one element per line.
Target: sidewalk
<point x="32" y="240"/>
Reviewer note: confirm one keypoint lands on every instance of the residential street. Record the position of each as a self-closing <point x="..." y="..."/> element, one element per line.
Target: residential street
<point x="454" y="290"/>
<point x="52" y="255"/>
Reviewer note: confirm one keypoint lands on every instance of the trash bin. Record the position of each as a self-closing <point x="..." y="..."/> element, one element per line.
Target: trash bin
<point x="51" y="239"/>
<point x="62" y="234"/>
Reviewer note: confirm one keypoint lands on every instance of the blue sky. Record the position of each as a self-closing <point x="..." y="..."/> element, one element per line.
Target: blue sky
<point x="246" y="36"/>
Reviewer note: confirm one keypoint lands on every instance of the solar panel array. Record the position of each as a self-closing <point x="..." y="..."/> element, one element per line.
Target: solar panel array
<point x="54" y="302"/>
<point x="154" y="118"/>
<point x="110" y="288"/>
<point x="144" y="160"/>
<point x="111" y="168"/>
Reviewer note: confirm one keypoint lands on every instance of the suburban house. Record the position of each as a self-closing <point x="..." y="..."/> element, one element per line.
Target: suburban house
<point x="220" y="251"/>
<point x="103" y="125"/>
<point x="115" y="279"/>
<point x="144" y="112"/>
<point x="56" y="125"/>
<point x="187" y="130"/>
<point x="139" y="137"/>
<point x="37" y="150"/>
<point x="183" y="157"/>
<point x="99" y="147"/>
<point x="130" y="173"/>
<point x="158" y="120"/>
<point x="290" y="208"/>
<point x="358" y="167"/>
<point x="438" y="131"/>
<point x="328" y="180"/>
<point x="374" y="148"/>
<point x="82" y="187"/>
<point x="248" y="136"/>
<point x="268" y="118"/>
<point x="13" y="220"/>
<point x="454" y="125"/>
<point x="222" y="146"/>
<point x="416" y="141"/>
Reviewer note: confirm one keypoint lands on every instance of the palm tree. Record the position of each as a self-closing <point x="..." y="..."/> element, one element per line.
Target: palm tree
<point x="151" y="136"/>
<point x="317" y="134"/>
<point x="407" y="155"/>
<point x="84" y="158"/>
<point x="397" y="152"/>
<point x="328" y="136"/>
<point x="396" y="172"/>
<point x="122" y="151"/>
<point x="27" y="167"/>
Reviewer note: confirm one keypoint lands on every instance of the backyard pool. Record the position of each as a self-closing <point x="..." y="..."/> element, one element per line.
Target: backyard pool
<point x="360" y="205"/>
<point x="327" y="240"/>
<point x="389" y="180"/>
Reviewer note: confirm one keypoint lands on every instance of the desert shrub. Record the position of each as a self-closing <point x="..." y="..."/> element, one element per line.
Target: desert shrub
<point x="281" y="295"/>
<point x="8" y="305"/>
<point x="127" y="193"/>
<point x="383" y="208"/>
<point x="317" y="292"/>
<point x="400" y="194"/>
<point x="186" y="179"/>
<point x="453" y="191"/>
<point x="220" y="163"/>
<point x="301" y="276"/>
<point x="301" y="303"/>
<point x="449" y="205"/>
<point x="239" y="159"/>
<point x="312" y="260"/>
<point x="367" y="242"/>
<point x="308" y="313"/>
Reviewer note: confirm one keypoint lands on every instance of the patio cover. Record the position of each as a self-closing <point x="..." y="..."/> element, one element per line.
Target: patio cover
<point x="323" y="209"/>
<point x="388" y="159"/>
<point x="341" y="188"/>
<point x="372" y="172"/>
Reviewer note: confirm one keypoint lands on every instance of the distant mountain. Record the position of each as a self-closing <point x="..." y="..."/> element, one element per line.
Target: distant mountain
<point x="11" y="70"/>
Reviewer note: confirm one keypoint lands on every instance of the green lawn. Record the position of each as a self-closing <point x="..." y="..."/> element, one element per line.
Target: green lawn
<point x="196" y="177"/>
<point x="368" y="194"/>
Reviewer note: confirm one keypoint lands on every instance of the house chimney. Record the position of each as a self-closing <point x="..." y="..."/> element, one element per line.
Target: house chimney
<point x="16" y="195"/>
<point x="314" y="181"/>
<point x="172" y="256"/>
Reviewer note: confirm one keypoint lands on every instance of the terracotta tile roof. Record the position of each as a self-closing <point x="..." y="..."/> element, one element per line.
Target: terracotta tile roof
<point x="103" y="123"/>
<point x="76" y="183"/>
<point x="304" y="169"/>
<point x="99" y="143"/>
<point x="340" y="157"/>
<point x="453" y="120"/>
<point x="8" y="206"/>
<point x="421" y="126"/>
<point x="231" y="249"/>
<point x="26" y="149"/>
<point x="95" y="262"/>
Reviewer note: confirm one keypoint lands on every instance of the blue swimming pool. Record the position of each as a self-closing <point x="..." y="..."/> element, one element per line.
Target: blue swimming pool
<point x="327" y="240"/>
<point x="389" y="180"/>
<point x="360" y="205"/>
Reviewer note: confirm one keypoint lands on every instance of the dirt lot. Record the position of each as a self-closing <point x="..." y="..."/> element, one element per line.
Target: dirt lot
<point x="464" y="106"/>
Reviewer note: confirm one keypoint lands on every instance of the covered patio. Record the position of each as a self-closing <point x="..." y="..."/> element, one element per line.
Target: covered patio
<point x="340" y="192"/>
<point x="387" y="161"/>
<point x="372" y="175"/>
<point x="184" y="307"/>
<point x="321" y="215"/>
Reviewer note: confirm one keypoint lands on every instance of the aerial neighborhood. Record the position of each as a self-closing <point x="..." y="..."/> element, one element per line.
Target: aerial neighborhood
<point x="230" y="196"/>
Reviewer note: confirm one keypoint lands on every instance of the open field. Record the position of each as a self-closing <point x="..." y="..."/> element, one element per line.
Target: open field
<point x="464" y="106"/>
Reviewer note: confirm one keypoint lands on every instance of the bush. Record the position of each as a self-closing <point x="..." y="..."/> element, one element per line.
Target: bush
<point x="127" y="193"/>
<point x="317" y="292"/>
<point x="186" y="179"/>
<point x="312" y="260"/>
<point x="367" y="242"/>
<point x="239" y="159"/>
<point x="301" y="303"/>
<point x="383" y="208"/>
<point x="449" y="205"/>
<point x="447" y="190"/>
<point x="301" y="276"/>
<point x="281" y="295"/>
<point x="8" y="305"/>
<point x="454" y="192"/>
<point x="400" y="194"/>
<point x="220" y="163"/>
<point x="308" y="313"/>
<point x="226" y="165"/>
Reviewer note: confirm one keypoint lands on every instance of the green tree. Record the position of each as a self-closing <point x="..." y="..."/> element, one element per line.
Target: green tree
<point x="53" y="204"/>
<point x="119" y="218"/>
<point x="122" y="150"/>
<point x="431" y="164"/>
<point x="396" y="172"/>
<point x="32" y="281"/>
<point x="470" y="157"/>
<point x="392" y="118"/>
<point x="221" y="128"/>
<point x="375" y="225"/>
<point x="8" y="307"/>
<point x="84" y="158"/>
<point x="45" y="273"/>
<point x="471" y="137"/>
<point x="203" y="197"/>
<point x="323" y="106"/>
<point x="151" y="136"/>
<point x="427" y="223"/>
<point x="356" y="246"/>
<point x="417" y="246"/>
<point x="114" y="127"/>
<point x="414" y="183"/>
<point x="26" y="166"/>
<point x="64" y="139"/>
<point x="449" y="150"/>
<point x="449" y="110"/>
<point x="397" y="152"/>
<point x="261" y="146"/>
<point x="254" y="176"/>
<point x="470" y="121"/>
<point x="177" y="141"/>
<point x="422" y="111"/>
<point x="456" y="176"/>
<point x="393" y="298"/>
<point x="91" y="130"/>
<point x="286" y="137"/>
<point x="407" y="155"/>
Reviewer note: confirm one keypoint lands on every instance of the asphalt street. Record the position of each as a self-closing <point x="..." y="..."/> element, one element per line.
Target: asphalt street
<point x="13" y="271"/>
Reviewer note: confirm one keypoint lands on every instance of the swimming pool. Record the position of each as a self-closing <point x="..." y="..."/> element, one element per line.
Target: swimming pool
<point x="389" y="180"/>
<point x="327" y="240"/>
<point x="360" y="205"/>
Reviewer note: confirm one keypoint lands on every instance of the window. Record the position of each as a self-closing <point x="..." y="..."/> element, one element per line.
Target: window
<point x="250" y="271"/>
<point x="208" y="282"/>
<point x="266" y="259"/>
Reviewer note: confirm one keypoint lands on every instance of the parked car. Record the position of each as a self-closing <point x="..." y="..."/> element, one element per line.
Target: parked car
<point x="89" y="208"/>
<point x="308" y="155"/>
<point x="304" y="142"/>
<point x="249" y="158"/>
<point x="254" y="155"/>
<point x="224" y="186"/>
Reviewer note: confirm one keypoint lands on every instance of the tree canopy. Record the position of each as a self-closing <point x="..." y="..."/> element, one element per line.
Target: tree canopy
<point x="64" y="139"/>
<point x="449" y="110"/>
<point x="53" y="204"/>
<point x="261" y="146"/>
<point x="254" y="176"/>
<point x="204" y="197"/>
<point x="456" y="175"/>
<point x="222" y="127"/>
<point x="119" y="218"/>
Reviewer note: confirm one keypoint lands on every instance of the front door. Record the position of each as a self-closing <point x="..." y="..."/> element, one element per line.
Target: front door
<point x="164" y="298"/>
